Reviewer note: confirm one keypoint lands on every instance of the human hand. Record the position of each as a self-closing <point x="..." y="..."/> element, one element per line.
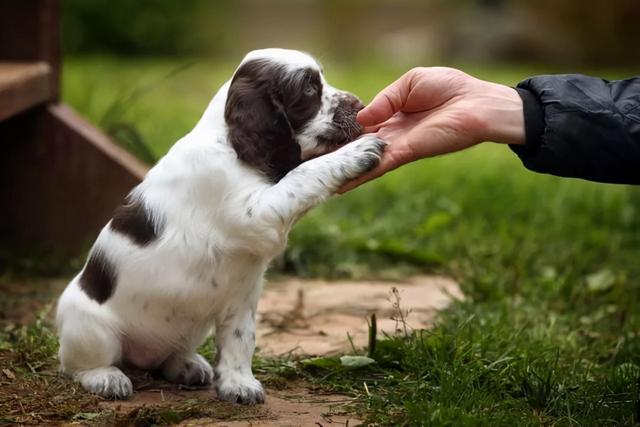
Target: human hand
<point x="437" y="110"/>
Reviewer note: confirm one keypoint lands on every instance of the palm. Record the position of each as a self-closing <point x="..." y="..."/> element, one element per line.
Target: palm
<point x="412" y="136"/>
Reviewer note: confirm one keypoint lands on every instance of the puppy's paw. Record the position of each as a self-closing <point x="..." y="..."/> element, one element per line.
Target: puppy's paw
<point x="193" y="370"/>
<point x="108" y="382"/>
<point x="239" y="388"/>
<point x="362" y="155"/>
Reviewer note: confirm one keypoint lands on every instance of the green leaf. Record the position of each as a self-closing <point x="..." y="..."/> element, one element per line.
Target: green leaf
<point x="322" y="362"/>
<point x="356" y="361"/>
<point x="601" y="280"/>
<point x="435" y="222"/>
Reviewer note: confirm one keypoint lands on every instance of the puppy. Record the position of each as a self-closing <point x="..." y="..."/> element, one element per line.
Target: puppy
<point x="187" y="251"/>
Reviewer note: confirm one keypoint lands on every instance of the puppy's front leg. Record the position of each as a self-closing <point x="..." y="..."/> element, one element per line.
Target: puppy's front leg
<point x="316" y="180"/>
<point x="235" y="343"/>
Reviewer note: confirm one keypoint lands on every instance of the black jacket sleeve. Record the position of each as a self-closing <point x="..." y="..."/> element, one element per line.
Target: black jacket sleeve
<point x="582" y="127"/>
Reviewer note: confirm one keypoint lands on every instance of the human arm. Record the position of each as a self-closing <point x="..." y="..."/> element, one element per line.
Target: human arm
<point x="582" y="127"/>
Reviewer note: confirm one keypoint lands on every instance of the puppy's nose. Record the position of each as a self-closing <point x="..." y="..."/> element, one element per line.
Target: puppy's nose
<point x="357" y="105"/>
<point x="352" y="102"/>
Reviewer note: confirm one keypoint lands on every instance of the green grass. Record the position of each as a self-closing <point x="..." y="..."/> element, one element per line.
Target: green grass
<point x="548" y="333"/>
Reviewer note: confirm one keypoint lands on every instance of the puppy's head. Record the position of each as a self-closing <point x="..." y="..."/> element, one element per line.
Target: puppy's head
<point x="280" y="111"/>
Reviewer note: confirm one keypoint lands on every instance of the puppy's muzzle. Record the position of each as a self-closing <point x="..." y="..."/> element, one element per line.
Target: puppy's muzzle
<point x="344" y="119"/>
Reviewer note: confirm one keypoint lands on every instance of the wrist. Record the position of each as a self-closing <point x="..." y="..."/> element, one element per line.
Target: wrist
<point x="501" y="112"/>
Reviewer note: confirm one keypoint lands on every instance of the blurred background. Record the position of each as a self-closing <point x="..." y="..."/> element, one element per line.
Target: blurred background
<point x="406" y="32"/>
<point x="144" y="72"/>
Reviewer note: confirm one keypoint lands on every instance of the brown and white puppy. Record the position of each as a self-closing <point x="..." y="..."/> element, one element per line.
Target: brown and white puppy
<point x="187" y="251"/>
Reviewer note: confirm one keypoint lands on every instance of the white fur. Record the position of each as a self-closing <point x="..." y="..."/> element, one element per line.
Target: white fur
<point x="223" y="222"/>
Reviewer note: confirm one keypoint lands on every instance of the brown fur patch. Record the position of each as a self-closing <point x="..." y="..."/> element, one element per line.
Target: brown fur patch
<point x="133" y="220"/>
<point x="98" y="279"/>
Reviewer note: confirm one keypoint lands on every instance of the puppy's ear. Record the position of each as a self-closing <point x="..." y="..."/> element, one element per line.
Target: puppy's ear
<point x="258" y="127"/>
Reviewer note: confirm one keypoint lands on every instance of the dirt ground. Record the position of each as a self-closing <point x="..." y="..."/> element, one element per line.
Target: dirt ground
<point x="299" y="317"/>
<point x="294" y="406"/>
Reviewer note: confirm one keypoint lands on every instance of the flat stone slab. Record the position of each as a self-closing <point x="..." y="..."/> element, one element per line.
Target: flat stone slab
<point x="313" y="317"/>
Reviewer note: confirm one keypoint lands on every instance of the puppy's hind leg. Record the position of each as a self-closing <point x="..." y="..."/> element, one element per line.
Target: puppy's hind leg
<point x="191" y="370"/>
<point x="88" y="352"/>
<point x="108" y="382"/>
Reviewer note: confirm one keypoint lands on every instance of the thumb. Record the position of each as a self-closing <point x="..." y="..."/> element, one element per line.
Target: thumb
<point x="385" y="104"/>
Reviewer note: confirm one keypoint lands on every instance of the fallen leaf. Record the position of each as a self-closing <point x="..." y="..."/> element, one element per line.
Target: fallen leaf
<point x="600" y="280"/>
<point x="88" y="416"/>
<point x="356" y="361"/>
<point x="9" y="374"/>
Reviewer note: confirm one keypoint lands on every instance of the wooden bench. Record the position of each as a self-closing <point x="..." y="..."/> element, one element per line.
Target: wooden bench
<point x="60" y="177"/>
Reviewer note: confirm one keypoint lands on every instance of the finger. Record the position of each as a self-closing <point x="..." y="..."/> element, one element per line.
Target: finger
<point x="385" y="104"/>
<point x="371" y="129"/>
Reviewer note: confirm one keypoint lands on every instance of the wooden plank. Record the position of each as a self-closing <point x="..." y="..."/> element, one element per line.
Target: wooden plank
<point x="23" y="86"/>
<point x="60" y="181"/>
<point x="30" y="32"/>
<point x="84" y="130"/>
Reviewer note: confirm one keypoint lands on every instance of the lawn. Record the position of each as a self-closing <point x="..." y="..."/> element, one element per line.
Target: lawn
<point x="548" y="333"/>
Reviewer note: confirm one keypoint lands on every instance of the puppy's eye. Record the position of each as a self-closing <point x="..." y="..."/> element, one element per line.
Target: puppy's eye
<point x="310" y="90"/>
